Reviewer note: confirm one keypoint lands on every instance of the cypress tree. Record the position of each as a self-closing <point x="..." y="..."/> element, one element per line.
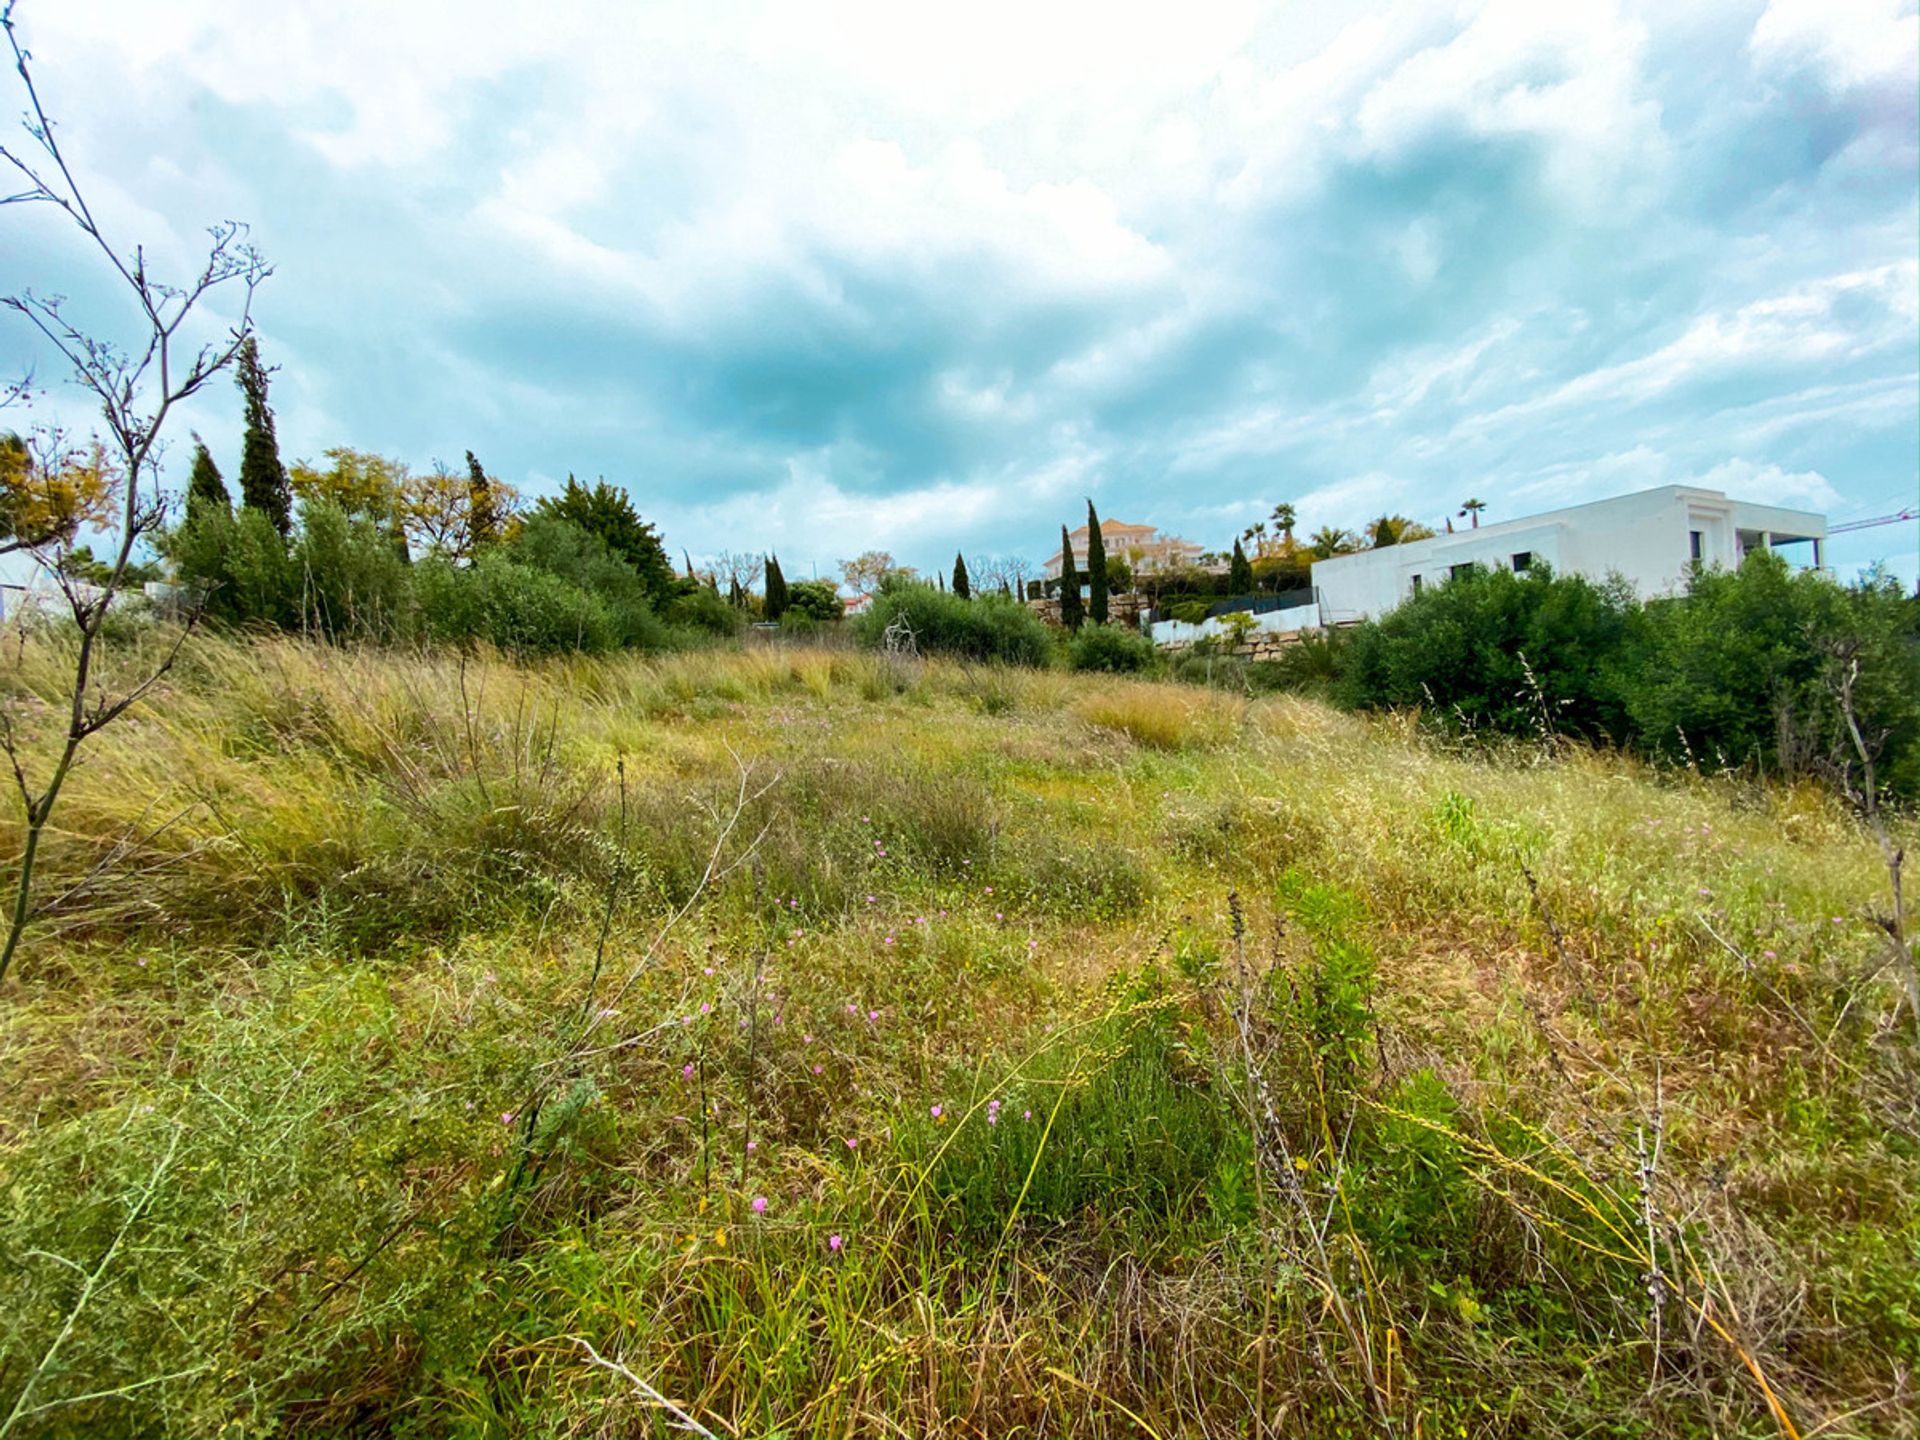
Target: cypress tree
<point x="483" y="517"/>
<point x="1096" y="568"/>
<point x="1239" y="573"/>
<point x="206" y="491"/>
<point x="1070" y="612"/>
<point x="962" y="586"/>
<point x="776" y="589"/>
<point x="263" y="479"/>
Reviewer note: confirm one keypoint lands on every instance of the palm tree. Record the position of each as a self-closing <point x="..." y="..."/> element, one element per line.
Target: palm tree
<point x="1329" y="541"/>
<point x="1285" y="517"/>
<point x="1473" y="508"/>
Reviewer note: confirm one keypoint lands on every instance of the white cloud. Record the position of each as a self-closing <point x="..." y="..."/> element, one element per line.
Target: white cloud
<point x="1819" y="323"/>
<point x="1565" y="74"/>
<point x="1850" y="43"/>
<point x="1769" y="484"/>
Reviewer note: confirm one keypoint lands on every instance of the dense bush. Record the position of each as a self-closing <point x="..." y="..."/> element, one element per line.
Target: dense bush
<point x="564" y="550"/>
<point x="1741" y="671"/>
<point x="516" y="607"/>
<point x="699" y="609"/>
<point x="815" y="599"/>
<point x="350" y="578"/>
<point x="554" y="586"/>
<point x="989" y="628"/>
<point x="1111" y="647"/>
<point x="1493" y="648"/>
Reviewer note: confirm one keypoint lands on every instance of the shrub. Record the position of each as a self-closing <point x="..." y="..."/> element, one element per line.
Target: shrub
<point x="989" y="628"/>
<point x="1202" y="664"/>
<point x="238" y="564"/>
<point x="814" y="599"/>
<point x="1311" y="665"/>
<point x="1112" y="648"/>
<point x="1495" y="649"/>
<point x="351" y="579"/>
<point x="563" y="549"/>
<point x="1739" y="670"/>
<point x="513" y="606"/>
<point x="704" y="612"/>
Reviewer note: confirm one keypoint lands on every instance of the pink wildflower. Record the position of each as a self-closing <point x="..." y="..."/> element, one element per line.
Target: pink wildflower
<point x="759" y="1204"/>
<point x="833" y="1241"/>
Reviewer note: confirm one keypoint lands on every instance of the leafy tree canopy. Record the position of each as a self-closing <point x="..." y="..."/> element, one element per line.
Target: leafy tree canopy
<point x="605" y="510"/>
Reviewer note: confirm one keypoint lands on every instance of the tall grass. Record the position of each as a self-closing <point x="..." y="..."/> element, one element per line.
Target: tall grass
<point x="1520" y="1094"/>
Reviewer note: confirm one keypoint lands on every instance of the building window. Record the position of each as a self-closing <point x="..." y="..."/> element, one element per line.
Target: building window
<point x="1522" y="560"/>
<point x="1416" y="584"/>
<point x="1456" y="572"/>
<point x="1695" y="546"/>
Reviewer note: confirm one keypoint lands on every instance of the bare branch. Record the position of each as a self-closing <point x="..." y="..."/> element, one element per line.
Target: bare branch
<point x="137" y="387"/>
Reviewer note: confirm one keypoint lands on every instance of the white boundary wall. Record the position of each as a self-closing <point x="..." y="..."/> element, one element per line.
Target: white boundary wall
<point x="1179" y="633"/>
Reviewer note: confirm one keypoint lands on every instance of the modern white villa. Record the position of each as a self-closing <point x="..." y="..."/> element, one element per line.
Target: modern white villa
<point x="1651" y="538"/>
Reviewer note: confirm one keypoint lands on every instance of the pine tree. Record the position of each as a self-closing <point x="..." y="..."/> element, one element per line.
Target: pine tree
<point x="1239" y="573"/>
<point x="206" y="491"/>
<point x="776" y="589"/>
<point x="263" y="479"/>
<point x="962" y="585"/>
<point x="1096" y="569"/>
<point x="1070" y="612"/>
<point x="483" y="516"/>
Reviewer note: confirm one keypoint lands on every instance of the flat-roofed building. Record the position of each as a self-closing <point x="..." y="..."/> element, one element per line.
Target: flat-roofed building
<point x="1651" y="538"/>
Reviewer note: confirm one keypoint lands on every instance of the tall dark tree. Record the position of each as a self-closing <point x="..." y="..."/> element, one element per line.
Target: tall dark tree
<point x="263" y="479"/>
<point x="206" y="491"/>
<point x="483" y="515"/>
<point x="1239" y="572"/>
<point x="1096" y="568"/>
<point x="1071" y="613"/>
<point x="776" y="589"/>
<point x="606" y="511"/>
<point x="962" y="586"/>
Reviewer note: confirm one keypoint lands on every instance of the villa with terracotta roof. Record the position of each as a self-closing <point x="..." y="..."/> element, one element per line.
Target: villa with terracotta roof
<point x="1141" y="546"/>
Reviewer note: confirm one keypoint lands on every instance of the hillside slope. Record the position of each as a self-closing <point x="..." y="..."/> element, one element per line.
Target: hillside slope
<point x="800" y="1043"/>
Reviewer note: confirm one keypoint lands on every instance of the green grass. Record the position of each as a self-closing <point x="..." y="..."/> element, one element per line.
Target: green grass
<point x="1269" y="1103"/>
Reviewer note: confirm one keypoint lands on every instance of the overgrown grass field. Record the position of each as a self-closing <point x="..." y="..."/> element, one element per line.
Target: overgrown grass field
<point x="793" y="1042"/>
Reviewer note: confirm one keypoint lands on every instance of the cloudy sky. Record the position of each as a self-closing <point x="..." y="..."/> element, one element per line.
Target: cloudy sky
<point x="830" y="276"/>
